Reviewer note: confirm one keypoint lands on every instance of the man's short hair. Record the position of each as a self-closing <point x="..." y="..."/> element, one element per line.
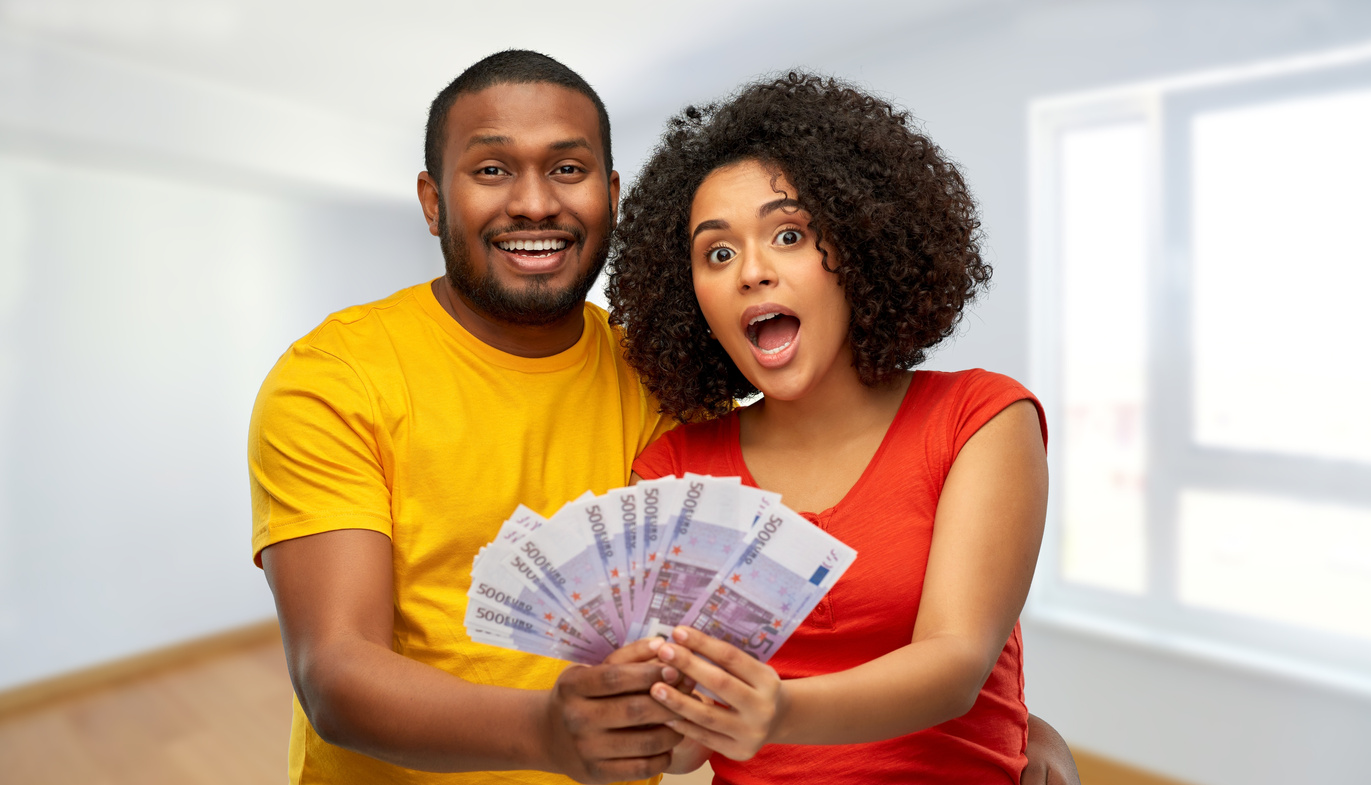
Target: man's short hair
<point x="512" y="66"/>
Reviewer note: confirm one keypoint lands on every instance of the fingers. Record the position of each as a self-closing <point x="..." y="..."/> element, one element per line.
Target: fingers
<point x="619" y="712"/>
<point x="613" y="756"/>
<point x="645" y="742"/>
<point x="625" y="769"/>
<point x="732" y="675"/>
<point x="754" y="694"/>
<point x="723" y="730"/>
<point x="600" y="681"/>
<point x="705" y="715"/>
<point x="725" y="655"/>
<point x="643" y="650"/>
<point x="713" y="740"/>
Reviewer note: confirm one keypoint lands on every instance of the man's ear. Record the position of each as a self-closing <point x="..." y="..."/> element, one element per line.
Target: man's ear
<point x="429" y="201"/>
<point x="614" y="197"/>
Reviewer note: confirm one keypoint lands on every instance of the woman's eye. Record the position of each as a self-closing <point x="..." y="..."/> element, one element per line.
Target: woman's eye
<point x="719" y="255"/>
<point x="788" y="237"/>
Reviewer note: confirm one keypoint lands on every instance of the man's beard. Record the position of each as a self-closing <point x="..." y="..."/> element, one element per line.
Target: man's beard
<point x="538" y="304"/>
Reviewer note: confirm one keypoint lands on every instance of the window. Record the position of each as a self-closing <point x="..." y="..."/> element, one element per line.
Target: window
<point x="1202" y="339"/>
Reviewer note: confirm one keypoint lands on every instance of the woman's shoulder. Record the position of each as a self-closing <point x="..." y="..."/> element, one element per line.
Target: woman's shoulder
<point x="955" y="404"/>
<point x="970" y="383"/>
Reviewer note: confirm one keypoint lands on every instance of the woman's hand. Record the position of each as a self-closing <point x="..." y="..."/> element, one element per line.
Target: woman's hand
<point x="754" y="694"/>
<point x="688" y="755"/>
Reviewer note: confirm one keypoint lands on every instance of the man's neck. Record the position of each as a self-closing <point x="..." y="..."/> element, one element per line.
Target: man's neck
<point x="517" y="339"/>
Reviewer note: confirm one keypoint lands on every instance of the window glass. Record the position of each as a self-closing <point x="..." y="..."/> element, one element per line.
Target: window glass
<point x="1103" y="319"/>
<point x="1277" y="559"/>
<point x="1281" y="269"/>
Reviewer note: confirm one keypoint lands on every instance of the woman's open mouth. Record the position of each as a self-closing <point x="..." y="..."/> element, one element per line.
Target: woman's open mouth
<point x="772" y="333"/>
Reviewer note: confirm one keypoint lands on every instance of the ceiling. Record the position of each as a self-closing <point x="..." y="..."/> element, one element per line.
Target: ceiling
<point x="383" y="63"/>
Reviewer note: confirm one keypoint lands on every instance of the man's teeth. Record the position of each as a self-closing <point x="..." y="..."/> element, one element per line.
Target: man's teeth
<point x="532" y="245"/>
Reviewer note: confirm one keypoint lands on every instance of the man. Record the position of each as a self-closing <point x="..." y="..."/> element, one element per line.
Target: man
<point x="388" y="445"/>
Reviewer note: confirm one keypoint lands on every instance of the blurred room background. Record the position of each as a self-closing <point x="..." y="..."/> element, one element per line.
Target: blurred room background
<point x="1176" y="197"/>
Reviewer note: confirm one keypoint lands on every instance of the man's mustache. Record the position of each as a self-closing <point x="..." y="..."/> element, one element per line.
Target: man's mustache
<point x="577" y="233"/>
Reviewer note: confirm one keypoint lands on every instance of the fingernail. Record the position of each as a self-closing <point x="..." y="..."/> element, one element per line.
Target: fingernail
<point x="679" y="634"/>
<point x="655" y="644"/>
<point x="659" y="693"/>
<point x="665" y="653"/>
<point x="670" y="675"/>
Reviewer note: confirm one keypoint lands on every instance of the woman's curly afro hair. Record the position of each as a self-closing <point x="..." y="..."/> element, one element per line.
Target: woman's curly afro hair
<point x="896" y="212"/>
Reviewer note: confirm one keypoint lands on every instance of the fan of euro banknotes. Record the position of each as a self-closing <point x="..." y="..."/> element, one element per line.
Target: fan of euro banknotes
<point x="706" y="552"/>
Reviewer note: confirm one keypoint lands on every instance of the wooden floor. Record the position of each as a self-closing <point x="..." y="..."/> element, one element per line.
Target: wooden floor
<point x="218" y="720"/>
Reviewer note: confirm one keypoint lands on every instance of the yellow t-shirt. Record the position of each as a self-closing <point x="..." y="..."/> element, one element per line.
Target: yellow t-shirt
<point x="392" y="417"/>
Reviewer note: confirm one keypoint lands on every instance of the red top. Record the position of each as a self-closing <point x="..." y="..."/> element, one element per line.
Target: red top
<point x="888" y="517"/>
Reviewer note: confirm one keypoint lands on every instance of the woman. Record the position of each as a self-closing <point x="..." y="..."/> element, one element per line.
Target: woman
<point x="803" y="241"/>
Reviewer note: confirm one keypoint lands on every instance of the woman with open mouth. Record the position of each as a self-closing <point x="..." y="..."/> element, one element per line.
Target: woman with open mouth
<point x="803" y="241"/>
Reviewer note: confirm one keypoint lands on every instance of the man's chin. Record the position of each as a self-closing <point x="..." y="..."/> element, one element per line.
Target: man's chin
<point x="530" y="305"/>
<point x="529" y="300"/>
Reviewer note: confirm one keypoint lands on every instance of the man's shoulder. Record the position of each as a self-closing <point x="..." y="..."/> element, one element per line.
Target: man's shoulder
<point x="597" y="318"/>
<point x="359" y="323"/>
<point x="348" y="348"/>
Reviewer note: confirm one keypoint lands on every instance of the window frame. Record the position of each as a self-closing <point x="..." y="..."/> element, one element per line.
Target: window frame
<point x="1174" y="461"/>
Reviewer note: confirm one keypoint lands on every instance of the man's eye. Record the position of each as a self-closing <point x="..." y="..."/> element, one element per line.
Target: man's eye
<point x="491" y="171"/>
<point x="568" y="169"/>
<point x="719" y="255"/>
<point x="788" y="237"/>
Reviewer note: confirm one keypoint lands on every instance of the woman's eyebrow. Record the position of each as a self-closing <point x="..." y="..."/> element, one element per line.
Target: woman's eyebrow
<point x="771" y="207"/>
<point x="713" y="223"/>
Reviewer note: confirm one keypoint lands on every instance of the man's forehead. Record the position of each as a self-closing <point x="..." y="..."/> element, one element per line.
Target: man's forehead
<point x="537" y="114"/>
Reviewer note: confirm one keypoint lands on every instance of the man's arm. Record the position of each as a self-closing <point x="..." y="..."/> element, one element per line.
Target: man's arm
<point x="334" y="599"/>
<point x="1049" y="759"/>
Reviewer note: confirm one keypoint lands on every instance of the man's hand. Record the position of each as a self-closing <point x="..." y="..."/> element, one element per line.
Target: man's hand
<point x="602" y="726"/>
<point x="1049" y="759"/>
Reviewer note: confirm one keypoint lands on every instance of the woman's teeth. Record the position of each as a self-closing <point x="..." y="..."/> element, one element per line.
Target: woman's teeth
<point x="531" y="245"/>
<point x="772" y="332"/>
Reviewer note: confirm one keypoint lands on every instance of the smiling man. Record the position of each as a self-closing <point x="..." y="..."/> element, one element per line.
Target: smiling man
<point x="388" y="445"/>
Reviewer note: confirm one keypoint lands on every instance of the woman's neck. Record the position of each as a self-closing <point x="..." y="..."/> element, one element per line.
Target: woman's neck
<point x="813" y="449"/>
<point x="829" y="413"/>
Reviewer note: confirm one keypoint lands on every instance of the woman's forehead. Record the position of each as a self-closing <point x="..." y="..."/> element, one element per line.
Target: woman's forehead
<point x="739" y="190"/>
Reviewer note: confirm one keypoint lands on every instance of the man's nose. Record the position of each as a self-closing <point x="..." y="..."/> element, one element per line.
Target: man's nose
<point x="533" y="198"/>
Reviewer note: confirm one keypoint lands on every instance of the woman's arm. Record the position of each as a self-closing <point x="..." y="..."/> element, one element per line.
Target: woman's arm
<point x="986" y="534"/>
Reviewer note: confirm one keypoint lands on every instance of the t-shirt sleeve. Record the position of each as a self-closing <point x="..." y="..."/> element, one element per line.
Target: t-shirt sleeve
<point x="663" y="457"/>
<point x="314" y="458"/>
<point x="983" y="395"/>
<point x="655" y="423"/>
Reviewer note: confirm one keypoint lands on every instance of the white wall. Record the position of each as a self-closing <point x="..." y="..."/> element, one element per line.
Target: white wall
<point x="161" y="243"/>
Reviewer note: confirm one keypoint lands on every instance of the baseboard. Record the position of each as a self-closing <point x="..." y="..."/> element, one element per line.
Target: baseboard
<point x="66" y="685"/>
<point x="1099" y="770"/>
